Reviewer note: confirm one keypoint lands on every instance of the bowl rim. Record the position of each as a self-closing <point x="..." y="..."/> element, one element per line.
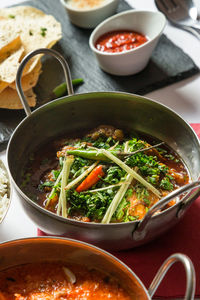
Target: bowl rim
<point x="116" y="16"/>
<point x="90" y="247"/>
<point x="89" y="10"/>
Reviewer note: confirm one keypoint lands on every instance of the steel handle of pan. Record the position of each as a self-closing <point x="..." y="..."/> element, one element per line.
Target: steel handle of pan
<point x="141" y="230"/>
<point x="189" y="270"/>
<point x="22" y="65"/>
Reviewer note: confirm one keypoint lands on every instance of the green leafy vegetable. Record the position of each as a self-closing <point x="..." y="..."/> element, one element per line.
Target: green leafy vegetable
<point x="130" y="171"/>
<point x="116" y="200"/>
<point x="43" y="31"/>
<point x="80" y="177"/>
<point x="65" y="175"/>
<point x="90" y="205"/>
<point x="114" y="175"/>
<point x="142" y="194"/>
<point x="89" y="154"/>
<point x="166" y="184"/>
<point x="53" y="190"/>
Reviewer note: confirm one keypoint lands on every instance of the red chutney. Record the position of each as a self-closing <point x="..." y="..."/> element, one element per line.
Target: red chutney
<point x="120" y="41"/>
<point x="49" y="281"/>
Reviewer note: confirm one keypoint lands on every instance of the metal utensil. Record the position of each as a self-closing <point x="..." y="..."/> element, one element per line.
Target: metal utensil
<point x="181" y="13"/>
<point x="142" y="228"/>
<point x="70" y="114"/>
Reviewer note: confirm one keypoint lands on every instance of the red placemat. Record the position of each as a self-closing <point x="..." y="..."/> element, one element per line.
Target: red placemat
<point x="184" y="238"/>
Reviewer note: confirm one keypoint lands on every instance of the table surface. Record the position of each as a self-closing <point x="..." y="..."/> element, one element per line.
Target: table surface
<point x="183" y="97"/>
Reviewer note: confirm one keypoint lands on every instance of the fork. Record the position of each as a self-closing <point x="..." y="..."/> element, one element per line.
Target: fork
<point x="180" y="13"/>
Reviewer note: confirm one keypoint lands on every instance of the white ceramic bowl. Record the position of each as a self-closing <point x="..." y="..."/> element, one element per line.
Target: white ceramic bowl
<point x="90" y="18"/>
<point x="149" y="23"/>
<point x="5" y="190"/>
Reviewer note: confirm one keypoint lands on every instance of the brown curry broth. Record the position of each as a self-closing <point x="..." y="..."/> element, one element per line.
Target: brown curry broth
<point x="48" y="281"/>
<point x="45" y="160"/>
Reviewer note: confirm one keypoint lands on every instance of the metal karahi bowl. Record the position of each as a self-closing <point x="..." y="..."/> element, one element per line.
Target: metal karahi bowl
<point x="46" y="249"/>
<point x="127" y="111"/>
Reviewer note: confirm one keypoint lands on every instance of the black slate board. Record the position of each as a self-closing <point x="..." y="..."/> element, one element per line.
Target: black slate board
<point x="168" y="64"/>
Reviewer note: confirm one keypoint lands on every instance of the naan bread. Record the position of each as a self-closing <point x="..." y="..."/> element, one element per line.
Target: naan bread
<point x="8" y="68"/>
<point x="36" y="29"/>
<point x="29" y="80"/>
<point x="9" y="99"/>
<point x="24" y="29"/>
<point x="9" y="41"/>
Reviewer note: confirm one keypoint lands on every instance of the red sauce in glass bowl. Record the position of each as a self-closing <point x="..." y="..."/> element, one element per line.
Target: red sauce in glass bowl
<point x="120" y="41"/>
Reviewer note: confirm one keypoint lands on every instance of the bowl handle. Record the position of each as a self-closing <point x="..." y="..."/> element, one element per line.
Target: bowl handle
<point x="141" y="230"/>
<point x="51" y="52"/>
<point x="189" y="270"/>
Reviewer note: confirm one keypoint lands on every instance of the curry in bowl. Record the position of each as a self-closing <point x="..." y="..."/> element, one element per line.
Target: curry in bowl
<point x="103" y="176"/>
<point x="58" y="280"/>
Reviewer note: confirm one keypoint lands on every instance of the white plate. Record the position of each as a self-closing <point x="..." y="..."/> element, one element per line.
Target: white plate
<point x="4" y="201"/>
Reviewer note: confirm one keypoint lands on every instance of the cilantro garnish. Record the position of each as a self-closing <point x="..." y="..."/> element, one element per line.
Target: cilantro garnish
<point x="43" y="31"/>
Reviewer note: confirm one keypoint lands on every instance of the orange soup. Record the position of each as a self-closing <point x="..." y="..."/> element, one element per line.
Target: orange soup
<point x="42" y="281"/>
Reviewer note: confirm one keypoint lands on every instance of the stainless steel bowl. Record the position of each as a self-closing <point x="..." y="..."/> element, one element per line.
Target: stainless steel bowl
<point x="85" y="111"/>
<point x="31" y="250"/>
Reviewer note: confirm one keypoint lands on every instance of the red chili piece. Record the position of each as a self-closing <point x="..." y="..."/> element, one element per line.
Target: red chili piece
<point x="120" y="41"/>
<point x="91" y="179"/>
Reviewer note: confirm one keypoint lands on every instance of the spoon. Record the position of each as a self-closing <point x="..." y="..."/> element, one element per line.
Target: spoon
<point x="181" y="13"/>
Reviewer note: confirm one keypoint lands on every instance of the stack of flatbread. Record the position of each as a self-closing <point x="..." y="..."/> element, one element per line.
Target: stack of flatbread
<point x="23" y="29"/>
